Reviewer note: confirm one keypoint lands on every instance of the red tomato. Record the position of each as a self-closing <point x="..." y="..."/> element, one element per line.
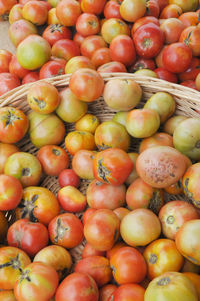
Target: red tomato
<point x="66" y="230"/>
<point x="89" y="250"/>
<point x="87" y="24"/>
<point x="152" y="8"/>
<point x="159" y="58"/>
<point x="82" y="164"/>
<point x="112" y="10"/>
<point x="78" y="62"/>
<point x="192" y="71"/>
<point x="28" y="236"/>
<point x="191" y="37"/>
<point x="115" y="248"/>
<point x="171" y="11"/>
<point x="10" y="192"/>
<point x="177" y="57"/>
<point x="142" y="64"/>
<point x="190" y="84"/>
<point x="162" y="4"/>
<point x="16" y="69"/>
<point x="128" y="292"/>
<point x="189" y="19"/>
<point x="101" y="56"/>
<point x="143" y="21"/>
<point x="94" y="7"/>
<point x="148" y="40"/>
<point x="106" y="291"/>
<point x="35" y="12"/>
<point x="37" y="282"/>
<point x="112" y="67"/>
<point x="71" y="199"/>
<point x="128" y="266"/>
<point x="5" y="58"/>
<point x="166" y="75"/>
<point x="68" y="11"/>
<point x="68" y="177"/>
<point x="8" y="82"/>
<point x="56" y="32"/>
<point x="78" y="38"/>
<point x="72" y="285"/>
<point x="6" y="150"/>
<point x="31" y="77"/>
<point x="65" y="49"/>
<point x="5" y="7"/>
<point x="122" y="49"/>
<point x="91" y="44"/>
<point x="87" y="214"/>
<point x="172" y="29"/>
<point x="51" y="69"/>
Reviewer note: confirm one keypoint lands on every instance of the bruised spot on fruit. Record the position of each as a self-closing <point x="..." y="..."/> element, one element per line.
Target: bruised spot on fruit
<point x="14" y="263"/>
<point x="156" y="202"/>
<point x="170" y="220"/>
<point x="103" y="172"/>
<point x="26" y="172"/>
<point x="25" y="276"/>
<point x="27" y="208"/>
<point x="163" y="281"/>
<point x="153" y="258"/>
<point x="56" y="152"/>
<point x="60" y="231"/>
<point x="41" y="103"/>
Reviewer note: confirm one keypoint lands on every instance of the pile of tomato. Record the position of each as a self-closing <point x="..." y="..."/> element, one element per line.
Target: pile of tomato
<point x="158" y="38"/>
<point x="133" y="244"/>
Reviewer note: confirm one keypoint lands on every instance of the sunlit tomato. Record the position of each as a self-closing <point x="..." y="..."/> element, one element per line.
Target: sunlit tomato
<point x="66" y="230"/>
<point x="112" y="10"/>
<point x="191" y="38"/>
<point x="122" y="49"/>
<point x="5" y="7"/>
<point x="10" y="192"/>
<point x="148" y="40"/>
<point x="8" y="82"/>
<point x="7" y="295"/>
<point x="15" y="13"/>
<point x="128" y="292"/>
<point x="156" y="140"/>
<point x="35" y="12"/>
<point x="101" y="56"/>
<point x="142" y="64"/>
<point x="141" y="195"/>
<point x="101" y="229"/>
<point x="31" y="77"/>
<point x="130" y="260"/>
<point x="56" y="32"/>
<point x="113" y="27"/>
<point x="112" y="67"/>
<point x="86" y="84"/>
<point x="16" y="69"/>
<point x="38" y="281"/>
<point x="97" y="267"/>
<point x="68" y="11"/>
<point x="95" y="7"/>
<point x="131" y="10"/>
<point x="78" y="62"/>
<point x="112" y="166"/>
<point x="171" y="11"/>
<point x="29" y="237"/>
<point x="87" y="214"/>
<point x="68" y="177"/>
<point x="91" y="44"/>
<point x="195" y="278"/>
<point x="5" y="58"/>
<point x="173" y="215"/>
<point x="152" y="8"/>
<point x="52" y="18"/>
<point x="57" y="257"/>
<point x="142" y="21"/>
<point x="189" y="232"/>
<point x="189" y="19"/>
<point x="38" y="205"/>
<point x="79" y="140"/>
<point x="106" y="291"/>
<point x="89" y="250"/>
<point x="88" y="123"/>
<point x="87" y="24"/>
<point x="69" y="289"/>
<point x="82" y="164"/>
<point x="71" y="199"/>
<point x="192" y="71"/>
<point x="171" y="286"/>
<point x="51" y="69"/>
<point x="65" y="49"/>
<point x="172" y="29"/>
<point x="3" y="227"/>
<point x="172" y="123"/>
<point x="6" y="150"/>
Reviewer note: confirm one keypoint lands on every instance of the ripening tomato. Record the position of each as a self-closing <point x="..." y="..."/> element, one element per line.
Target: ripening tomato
<point x="142" y="64"/>
<point x="121" y="212"/>
<point x="172" y="123"/>
<point x="90" y="44"/>
<point x="106" y="291"/>
<point x="112" y="10"/>
<point x="15" y="13"/>
<point x="16" y="69"/>
<point x="71" y="199"/>
<point x="8" y="82"/>
<point x="89" y="250"/>
<point x="192" y="71"/>
<point x="189" y="19"/>
<point x="131" y="10"/>
<point x="128" y="292"/>
<point x="156" y="140"/>
<point x="79" y="140"/>
<point x="94" y="7"/>
<point x="101" y="56"/>
<point x="190" y="36"/>
<point x="68" y="177"/>
<point x="142" y="21"/>
<point x="112" y="67"/>
<point x="152" y="8"/>
<point x="65" y="49"/>
<point x="56" y="32"/>
<point x="113" y="27"/>
<point x="78" y="38"/>
<point x="51" y="69"/>
<point x="172" y="29"/>
<point x="166" y="75"/>
<point x="68" y="11"/>
<point x="7" y="295"/>
<point x="52" y="17"/>
<point x="87" y="24"/>
<point x="88" y="123"/>
<point x="35" y="12"/>
<point x="171" y="11"/>
<point x="6" y="150"/>
<point x="115" y="248"/>
<point x="78" y="62"/>
<point x="31" y="77"/>
<point x="82" y="164"/>
<point x="5" y="7"/>
<point x="87" y="214"/>
<point x="5" y="58"/>
<point x="10" y="192"/>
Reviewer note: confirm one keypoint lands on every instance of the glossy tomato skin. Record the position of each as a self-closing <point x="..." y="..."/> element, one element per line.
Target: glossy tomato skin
<point x="90" y="44"/>
<point x="38" y="281"/>
<point x="156" y="140"/>
<point x="95" y="7"/>
<point x="189" y="19"/>
<point x="82" y="164"/>
<point x="148" y="40"/>
<point x="131" y="10"/>
<point x="172" y="29"/>
<point x="112" y="10"/>
<point x="125" y="291"/>
<point x="8" y="82"/>
<point x="122" y="49"/>
<point x="171" y="11"/>
<point x="128" y="266"/>
<point x="143" y="21"/>
<point x="28" y="236"/>
<point x="35" y="12"/>
<point x="191" y="37"/>
<point x="112" y="166"/>
<point x="31" y="77"/>
<point x="192" y="71"/>
<point x="70" y="287"/>
<point x="89" y="250"/>
<point x="71" y="199"/>
<point x="101" y="56"/>
<point x="68" y="12"/>
<point x="112" y="67"/>
<point x="68" y="177"/>
<point x="18" y="260"/>
<point x="87" y="24"/>
<point x="177" y="57"/>
<point x="66" y="230"/>
<point x="5" y="58"/>
<point x="166" y="75"/>
<point x="65" y="49"/>
<point x="87" y="214"/>
<point x="190" y="84"/>
<point x="106" y="291"/>
<point x="10" y="192"/>
<point x="56" y="32"/>
<point x="142" y="64"/>
<point x="51" y="69"/>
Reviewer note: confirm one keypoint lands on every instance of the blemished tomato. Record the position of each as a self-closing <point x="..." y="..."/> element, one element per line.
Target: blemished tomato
<point x="29" y="237"/>
<point x="189" y="19"/>
<point x="142" y="64"/>
<point x="82" y="164"/>
<point x="6" y="150"/>
<point x="53" y="159"/>
<point x="113" y="27"/>
<point x="56" y="32"/>
<point x="68" y="177"/>
<point x="88" y="123"/>
<point x="162" y="256"/>
<point x="57" y="257"/>
<point x="95" y="7"/>
<point x="35" y="12"/>
<point x="131" y="10"/>
<point x="65" y="49"/>
<point x="66" y="230"/>
<point x="128" y="292"/>
<point x="10" y="192"/>
<point x="69" y="289"/>
<point x="78" y="62"/>
<point x="71" y="199"/>
<point x="38" y="205"/>
<point x="195" y="278"/>
<point x="8" y="82"/>
<point x="112" y="166"/>
<point x="37" y="282"/>
<point x="112" y="10"/>
<point x="68" y="11"/>
<point x="97" y="267"/>
<point x="31" y="77"/>
<point x="86" y="84"/>
<point x="7" y="295"/>
<point x="190" y="36"/>
<point x="5" y="58"/>
<point x="171" y="286"/>
<point x="156" y="140"/>
<point x="89" y="250"/>
<point x="171" y="11"/>
<point x="112" y="67"/>
<point x="152" y="8"/>
<point x="142" y="21"/>
<point x="101" y="229"/>
<point x="148" y="40"/>
<point x="101" y="56"/>
<point x="130" y="260"/>
<point x="12" y="262"/>
<point x="192" y="71"/>
<point x="141" y="195"/>
<point x="51" y="69"/>
<point x="106" y="291"/>
<point x="87" y="24"/>
<point x="87" y="214"/>
<point x="13" y="124"/>
<point x="105" y="196"/>
<point x="15" y="13"/>
<point x="90" y="44"/>
<point x="20" y="30"/>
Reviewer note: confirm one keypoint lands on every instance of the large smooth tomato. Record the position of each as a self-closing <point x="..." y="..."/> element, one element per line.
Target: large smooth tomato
<point x="8" y="82"/>
<point x="172" y="29"/>
<point x="112" y="10"/>
<point x="113" y="27"/>
<point x="71" y="199"/>
<point x="94" y="7"/>
<point x="171" y="11"/>
<point x="10" y="192"/>
<point x="65" y="49"/>
<point x="82" y="164"/>
<point x="78" y="62"/>
<point x="90" y="44"/>
<point x="191" y="37"/>
<point x="79" y="140"/>
<point x="87" y="24"/>
<point x="5" y="7"/>
<point x="112" y="67"/>
<point x="122" y="50"/>
<point x="189" y="19"/>
<point x="128" y="292"/>
<point x="35" y="12"/>
<point x="51" y="69"/>
<point x="156" y="140"/>
<point x="68" y="11"/>
<point x="131" y="10"/>
<point x="56" y="32"/>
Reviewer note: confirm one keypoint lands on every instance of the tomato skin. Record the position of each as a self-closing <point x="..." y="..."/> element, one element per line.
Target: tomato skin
<point x="51" y="69"/>
<point x="65" y="49"/>
<point x="68" y="11"/>
<point x="156" y="140"/>
<point x="95" y="7"/>
<point x="30" y="237"/>
<point x="172" y="29"/>
<point x="5" y="58"/>
<point x="190" y="84"/>
<point x="9" y="275"/>
<point x="142" y="64"/>
<point x="15" y="13"/>
<point x="71" y="199"/>
<point x="35" y="12"/>
<point x="122" y="49"/>
<point x="66" y="230"/>
<point x="101" y="56"/>
<point x="10" y="192"/>
<point x="142" y="21"/>
<point x="89" y="250"/>
<point x="113" y="27"/>
<point x="6" y="150"/>
<point x="191" y="37"/>
<point x="6" y="5"/>
<point x="78" y="62"/>
<point x="171" y="11"/>
<point x="8" y="82"/>
<point x="38" y="280"/>
<point x="88" y="122"/>
<point x="131" y="10"/>
<point x="90" y="44"/>
<point x="166" y="75"/>
<point x="125" y="291"/>
<point x="31" y="77"/>
<point x="7" y="295"/>
<point x="106" y="291"/>
<point x="128" y="266"/>
<point x="56" y="32"/>
<point x="189" y="19"/>
<point x="79" y="140"/>
<point x="68" y="177"/>
<point x="112" y="67"/>
<point x="87" y="24"/>
<point x="192" y="71"/>
<point x="148" y="40"/>
<point x="87" y="214"/>
<point x="69" y="289"/>
<point x="112" y="10"/>
<point x="195" y="278"/>
<point x="153" y="8"/>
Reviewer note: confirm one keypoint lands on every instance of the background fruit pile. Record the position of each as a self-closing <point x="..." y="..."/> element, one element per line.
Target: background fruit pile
<point x="162" y="37"/>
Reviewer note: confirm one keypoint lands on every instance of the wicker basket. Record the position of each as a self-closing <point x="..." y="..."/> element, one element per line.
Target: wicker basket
<point x="187" y="100"/>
